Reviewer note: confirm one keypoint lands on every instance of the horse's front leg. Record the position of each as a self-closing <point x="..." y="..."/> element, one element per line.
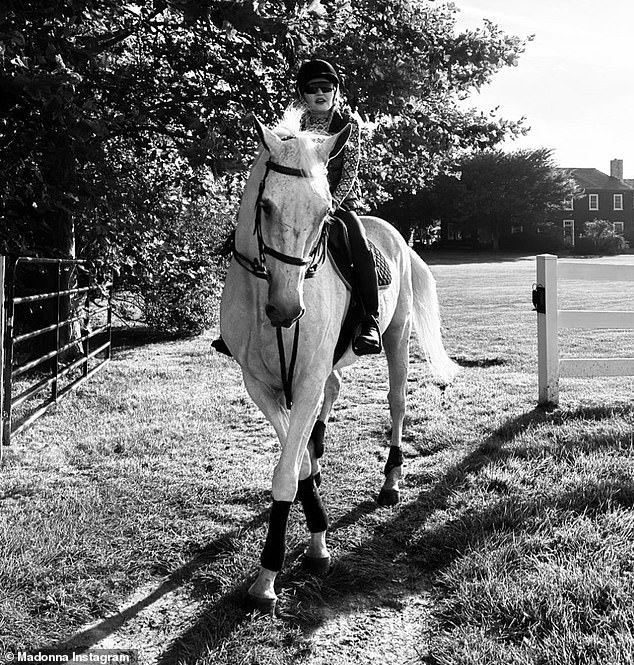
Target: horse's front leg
<point x="292" y="468"/>
<point x="262" y="591"/>
<point x="396" y="344"/>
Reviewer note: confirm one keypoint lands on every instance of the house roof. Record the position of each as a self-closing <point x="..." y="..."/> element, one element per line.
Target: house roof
<point x="595" y="179"/>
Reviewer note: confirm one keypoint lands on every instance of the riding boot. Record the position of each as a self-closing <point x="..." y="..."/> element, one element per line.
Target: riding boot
<point x="367" y="337"/>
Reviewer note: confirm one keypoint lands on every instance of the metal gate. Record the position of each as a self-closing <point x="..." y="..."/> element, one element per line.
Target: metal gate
<point x="71" y="339"/>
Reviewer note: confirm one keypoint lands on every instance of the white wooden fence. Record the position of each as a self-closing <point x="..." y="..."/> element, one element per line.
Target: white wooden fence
<point x="550" y="320"/>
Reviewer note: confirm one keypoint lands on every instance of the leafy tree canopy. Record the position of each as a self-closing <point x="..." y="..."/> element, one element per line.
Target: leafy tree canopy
<point x="117" y="117"/>
<point x="496" y="191"/>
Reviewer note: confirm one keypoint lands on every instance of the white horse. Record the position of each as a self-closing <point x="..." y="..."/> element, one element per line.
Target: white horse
<point x="282" y="327"/>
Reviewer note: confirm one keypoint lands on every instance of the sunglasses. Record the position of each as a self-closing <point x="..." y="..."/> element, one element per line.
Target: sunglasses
<point x="322" y="87"/>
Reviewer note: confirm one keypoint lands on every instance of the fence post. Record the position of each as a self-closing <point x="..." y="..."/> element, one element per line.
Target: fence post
<point x="2" y="296"/>
<point x="547" y="343"/>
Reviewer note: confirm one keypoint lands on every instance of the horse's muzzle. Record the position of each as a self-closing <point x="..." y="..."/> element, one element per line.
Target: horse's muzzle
<point x="280" y="319"/>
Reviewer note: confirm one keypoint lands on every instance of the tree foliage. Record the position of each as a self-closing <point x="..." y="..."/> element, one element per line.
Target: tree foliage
<point x="599" y="237"/>
<point x="497" y="191"/>
<point x="120" y="118"/>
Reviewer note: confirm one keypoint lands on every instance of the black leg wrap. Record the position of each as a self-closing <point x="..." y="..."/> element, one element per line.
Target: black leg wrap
<point x="316" y="517"/>
<point x="275" y="546"/>
<point x="317" y="438"/>
<point x="395" y="458"/>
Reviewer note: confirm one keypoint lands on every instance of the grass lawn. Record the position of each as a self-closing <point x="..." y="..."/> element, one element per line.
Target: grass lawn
<point x="516" y="524"/>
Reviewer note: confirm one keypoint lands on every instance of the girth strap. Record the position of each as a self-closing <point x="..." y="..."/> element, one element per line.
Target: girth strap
<point x="287" y="373"/>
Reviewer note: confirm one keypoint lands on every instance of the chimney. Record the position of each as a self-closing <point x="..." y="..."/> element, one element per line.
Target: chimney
<point x="616" y="168"/>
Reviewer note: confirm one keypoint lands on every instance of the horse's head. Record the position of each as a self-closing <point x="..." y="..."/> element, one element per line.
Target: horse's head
<point x="294" y="202"/>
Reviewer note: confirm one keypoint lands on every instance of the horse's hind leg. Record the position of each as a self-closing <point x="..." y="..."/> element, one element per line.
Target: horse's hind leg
<point x="316" y="441"/>
<point x="396" y="344"/>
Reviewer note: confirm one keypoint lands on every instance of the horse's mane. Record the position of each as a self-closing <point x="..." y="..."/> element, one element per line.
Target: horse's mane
<point x="290" y="127"/>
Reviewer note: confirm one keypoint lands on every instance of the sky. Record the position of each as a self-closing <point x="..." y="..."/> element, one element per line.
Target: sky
<point x="574" y="84"/>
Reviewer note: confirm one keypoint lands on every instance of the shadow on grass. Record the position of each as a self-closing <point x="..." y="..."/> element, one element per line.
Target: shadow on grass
<point x="225" y="620"/>
<point x="458" y="257"/>
<point x="406" y="540"/>
<point x="220" y="546"/>
<point x="481" y="362"/>
<point x="369" y="568"/>
<point x="437" y="547"/>
<point x="133" y="337"/>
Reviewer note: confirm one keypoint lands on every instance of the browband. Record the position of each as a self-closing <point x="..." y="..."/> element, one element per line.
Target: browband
<point x="287" y="170"/>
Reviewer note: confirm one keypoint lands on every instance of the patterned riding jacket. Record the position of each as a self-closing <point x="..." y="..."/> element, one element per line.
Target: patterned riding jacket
<point x="342" y="169"/>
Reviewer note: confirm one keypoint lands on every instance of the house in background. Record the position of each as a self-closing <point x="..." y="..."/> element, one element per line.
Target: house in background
<point x="607" y="197"/>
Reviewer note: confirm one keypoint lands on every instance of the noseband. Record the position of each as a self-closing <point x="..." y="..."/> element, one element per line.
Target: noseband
<point x="257" y="266"/>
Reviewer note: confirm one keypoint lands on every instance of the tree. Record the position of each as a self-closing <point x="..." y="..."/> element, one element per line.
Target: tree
<point x="599" y="237"/>
<point x="118" y="118"/>
<point x="498" y="192"/>
<point x="405" y="70"/>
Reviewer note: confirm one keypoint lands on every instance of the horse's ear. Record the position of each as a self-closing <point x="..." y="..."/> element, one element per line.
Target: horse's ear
<point x="332" y="146"/>
<point x="269" y="139"/>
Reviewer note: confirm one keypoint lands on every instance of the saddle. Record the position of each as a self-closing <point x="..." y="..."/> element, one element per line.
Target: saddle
<point x="339" y="253"/>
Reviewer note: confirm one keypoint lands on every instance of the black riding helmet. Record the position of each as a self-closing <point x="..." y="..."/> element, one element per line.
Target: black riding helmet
<point x="316" y="69"/>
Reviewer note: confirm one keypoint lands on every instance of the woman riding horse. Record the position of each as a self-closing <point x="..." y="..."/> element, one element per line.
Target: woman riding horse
<point x="284" y="303"/>
<point x="317" y="86"/>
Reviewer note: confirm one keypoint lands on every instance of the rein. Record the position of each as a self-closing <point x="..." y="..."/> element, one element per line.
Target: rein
<point x="287" y="375"/>
<point x="257" y="267"/>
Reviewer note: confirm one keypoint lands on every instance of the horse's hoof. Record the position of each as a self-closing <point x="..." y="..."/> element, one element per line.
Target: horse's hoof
<point x="388" y="497"/>
<point x="316" y="565"/>
<point x="261" y="605"/>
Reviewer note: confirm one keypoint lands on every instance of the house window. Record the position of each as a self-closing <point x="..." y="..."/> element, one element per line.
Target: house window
<point x="517" y="228"/>
<point x="593" y="202"/>
<point x="568" y="204"/>
<point x="618" y="228"/>
<point x="569" y="231"/>
<point x="618" y="201"/>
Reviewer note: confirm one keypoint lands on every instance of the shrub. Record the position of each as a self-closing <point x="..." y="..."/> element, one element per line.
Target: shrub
<point x="179" y="275"/>
<point x="598" y="237"/>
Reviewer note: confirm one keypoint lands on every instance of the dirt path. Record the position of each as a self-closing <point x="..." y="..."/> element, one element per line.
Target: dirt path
<point x="148" y="621"/>
<point x="371" y="631"/>
<point x="388" y="623"/>
<point x="364" y="629"/>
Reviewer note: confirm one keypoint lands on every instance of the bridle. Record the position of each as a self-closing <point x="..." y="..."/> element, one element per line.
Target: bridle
<point x="257" y="267"/>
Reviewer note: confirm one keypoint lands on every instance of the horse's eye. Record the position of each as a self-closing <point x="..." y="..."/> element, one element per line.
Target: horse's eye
<point x="266" y="207"/>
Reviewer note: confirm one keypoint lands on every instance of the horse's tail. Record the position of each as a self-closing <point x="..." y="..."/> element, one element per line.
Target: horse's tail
<point x="426" y="319"/>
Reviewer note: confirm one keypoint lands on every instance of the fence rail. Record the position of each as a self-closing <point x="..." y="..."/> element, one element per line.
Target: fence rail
<point x="80" y="321"/>
<point x="551" y="319"/>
